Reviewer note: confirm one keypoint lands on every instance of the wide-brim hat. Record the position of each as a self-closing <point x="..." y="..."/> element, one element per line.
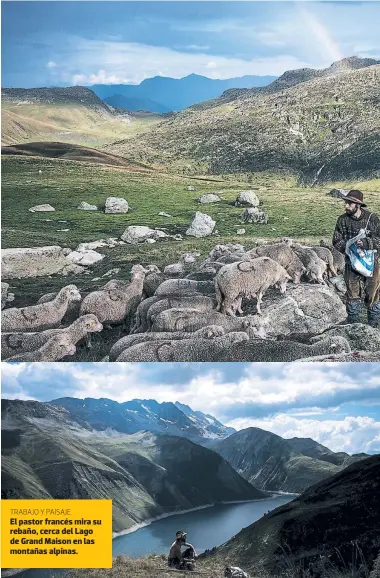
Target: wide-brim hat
<point x="354" y="197"/>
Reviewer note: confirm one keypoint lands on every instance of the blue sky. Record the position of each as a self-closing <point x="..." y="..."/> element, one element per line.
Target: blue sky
<point x="68" y="43"/>
<point x="335" y="404"/>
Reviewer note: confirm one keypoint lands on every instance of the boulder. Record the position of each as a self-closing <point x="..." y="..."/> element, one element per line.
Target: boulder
<point x="163" y="214"/>
<point x="247" y="199"/>
<point x="240" y="232"/>
<point x="338" y="283"/>
<point x="33" y="261"/>
<point x="83" y="206"/>
<point x="303" y="310"/>
<point x="338" y="193"/>
<point x="135" y="234"/>
<point x="41" y="208"/>
<point x="254" y="215"/>
<point x="174" y="269"/>
<point x="360" y="336"/>
<point x="201" y="226"/>
<point x="86" y="257"/>
<point x="189" y="258"/>
<point x="190" y="188"/>
<point x="209" y="198"/>
<point x="116" y="205"/>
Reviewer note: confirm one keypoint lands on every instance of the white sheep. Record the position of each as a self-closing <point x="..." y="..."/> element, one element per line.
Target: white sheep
<point x="198" y="302"/>
<point x="326" y="255"/>
<point x="191" y="320"/>
<point x="129" y="340"/>
<point x="172" y="287"/>
<point x="263" y="350"/>
<point x="41" y="316"/>
<point x="339" y="259"/>
<point x="249" y="279"/>
<point x="282" y="254"/>
<point x="54" y="349"/>
<point x="16" y="343"/>
<point x="115" y="303"/>
<point x="191" y="350"/>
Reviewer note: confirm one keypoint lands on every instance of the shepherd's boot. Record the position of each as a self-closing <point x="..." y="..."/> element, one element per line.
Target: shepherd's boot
<point x="373" y="315"/>
<point x="353" y="309"/>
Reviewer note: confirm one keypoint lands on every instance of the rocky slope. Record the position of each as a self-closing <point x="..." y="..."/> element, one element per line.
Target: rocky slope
<point x="334" y="524"/>
<point x="46" y="454"/>
<point x="273" y="463"/>
<point x="313" y="449"/>
<point x="136" y="415"/>
<point x="317" y="125"/>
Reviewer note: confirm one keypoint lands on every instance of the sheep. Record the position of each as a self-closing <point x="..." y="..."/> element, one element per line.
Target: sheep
<point x="152" y="281"/>
<point x="5" y="296"/>
<point x="73" y="307"/>
<point x="141" y="322"/>
<point x="15" y="343"/>
<point x="339" y="259"/>
<point x="250" y="279"/>
<point x="130" y="340"/>
<point x="182" y="350"/>
<point x="315" y="267"/>
<point x="263" y="350"/>
<point x="113" y="304"/>
<point x="203" y="275"/>
<point x="198" y="302"/>
<point x="54" y="349"/>
<point x="325" y="254"/>
<point x="191" y="320"/>
<point x="40" y="316"/>
<point x="282" y="254"/>
<point x="231" y="258"/>
<point x="184" y="286"/>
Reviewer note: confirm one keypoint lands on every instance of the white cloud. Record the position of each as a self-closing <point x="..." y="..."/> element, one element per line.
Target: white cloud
<point x="196" y="47"/>
<point x="351" y="434"/>
<point x="94" y="61"/>
<point x="51" y="64"/>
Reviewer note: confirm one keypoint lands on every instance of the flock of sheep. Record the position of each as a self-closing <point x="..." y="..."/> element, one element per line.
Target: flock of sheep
<point x="189" y="319"/>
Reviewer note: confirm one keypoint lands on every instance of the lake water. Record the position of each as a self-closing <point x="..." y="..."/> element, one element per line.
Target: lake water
<point x="205" y="529"/>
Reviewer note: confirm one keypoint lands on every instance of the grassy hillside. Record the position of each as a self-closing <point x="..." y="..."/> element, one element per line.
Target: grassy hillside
<point x="332" y="524"/>
<point x="304" y="213"/>
<point x="72" y="115"/>
<point x="323" y="128"/>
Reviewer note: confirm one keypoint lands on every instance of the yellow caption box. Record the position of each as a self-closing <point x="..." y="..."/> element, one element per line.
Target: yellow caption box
<point x="56" y="533"/>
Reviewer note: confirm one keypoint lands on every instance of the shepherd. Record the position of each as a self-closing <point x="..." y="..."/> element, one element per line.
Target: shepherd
<point x="357" y="221"/>
<point x="176" y="557"/>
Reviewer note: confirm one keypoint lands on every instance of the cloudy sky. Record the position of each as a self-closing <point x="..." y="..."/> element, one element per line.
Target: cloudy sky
<point x="69" y="43"/>
<point x="338" y="405"/>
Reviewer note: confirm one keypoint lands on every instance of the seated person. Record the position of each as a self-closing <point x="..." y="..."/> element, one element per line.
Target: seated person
<point x="175" y="554"/>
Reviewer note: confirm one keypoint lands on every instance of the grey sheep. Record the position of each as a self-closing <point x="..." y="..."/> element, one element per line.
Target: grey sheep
<point x="182" y="350"/>
<point x="198" y="302"/>
<point x="354" y="356"/>
<point x="338" y="258"/>
<point x="315" y="267"/>
<point x="15" y="343"/>
<point x="41" y="316"/>
<point x="141" y="321"/>
<point x="191" y="320"/>
<point x="129" y="340"/>
<point x="152" y="281"/>
<point x="249" y="279"/>
<point x="282" y="254"/>
<point x="184" y="286"/>
<point x="326" y="255"/>
<point x="115" y="304"/>
<point x="262" y="350"/>
<point x="54" y="349"/>
<point x="5" y="296"/>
